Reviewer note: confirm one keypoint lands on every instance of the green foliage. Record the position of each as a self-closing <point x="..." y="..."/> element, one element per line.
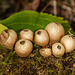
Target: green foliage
<point x="2" y="27"/>
<point x="32" y="20"/>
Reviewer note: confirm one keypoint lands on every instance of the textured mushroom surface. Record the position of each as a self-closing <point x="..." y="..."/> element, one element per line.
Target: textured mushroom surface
<point x="69" y="43"/>
<point x="41" y="37"/>
<point x="23" y="47"/>
<point x="56" y="31"/>
<point x="26" y="34"/>
<point x="46" y="52"/>
<point x="8" y="38"/>
<point x="58" y="49"/>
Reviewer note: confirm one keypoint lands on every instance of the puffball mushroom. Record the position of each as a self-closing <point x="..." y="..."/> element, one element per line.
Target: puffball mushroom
<point x="26" y="34"/>
<point x="46" y="52"/>
<point x="8" y="38"/>
<point x="69" y="42"/>
<point x="56" y="31"/>
<point x="41" y="37"/>
<point x="58" y="49"/>
<point x="23" y="47"/>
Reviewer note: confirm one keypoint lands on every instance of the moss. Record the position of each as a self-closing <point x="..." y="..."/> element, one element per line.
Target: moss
<point x="12" y="64"/>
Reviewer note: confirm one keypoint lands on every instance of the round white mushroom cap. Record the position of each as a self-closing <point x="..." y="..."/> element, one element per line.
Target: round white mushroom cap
<point x="26" y="34"/>
<point x="56" y="31"/>
<point x="69" y="43"/>
<point x="23" y="47"/>
<point x="41" y="37"/>
<point x="46" y="52"/>
<point x="58" y="49"/>
<point x="8" y="38"/>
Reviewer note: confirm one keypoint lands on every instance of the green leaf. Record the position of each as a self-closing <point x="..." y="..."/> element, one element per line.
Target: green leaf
<point x="33" y="20"/>
<point x="2" y="27"/>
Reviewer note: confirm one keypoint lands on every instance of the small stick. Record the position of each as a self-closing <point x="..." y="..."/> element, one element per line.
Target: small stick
<point x="45" y="7"/>
<point x="55" y="7"/>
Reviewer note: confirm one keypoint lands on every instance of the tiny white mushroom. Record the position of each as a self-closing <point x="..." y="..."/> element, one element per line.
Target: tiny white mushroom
<point x="58" y="49"/>
<point x="8" y="38"/>
<point x="69" y="43"/>
<point x="46" y="52"/>
<point x="23" y="47"/>
<point x="56" y="31"/>
<point x="41" y="37"/>
<point x="26" y="34"/>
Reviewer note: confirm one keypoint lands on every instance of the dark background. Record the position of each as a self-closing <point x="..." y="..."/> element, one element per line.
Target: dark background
<point x="61" y="8"/>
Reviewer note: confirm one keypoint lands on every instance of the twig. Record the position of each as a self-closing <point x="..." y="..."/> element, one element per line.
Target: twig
<point x="73" y="3"/>
<point x="45" y="7"/>
<point x="63" y="6"/>
<point x="70" y="32"/>
<point x="67" y="8"/>
<point x="22" y="4"/>
<point x="55" y="7"/>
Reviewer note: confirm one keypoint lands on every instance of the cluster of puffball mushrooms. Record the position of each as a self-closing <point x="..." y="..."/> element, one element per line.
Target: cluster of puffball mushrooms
<point x="52" y="41"/>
